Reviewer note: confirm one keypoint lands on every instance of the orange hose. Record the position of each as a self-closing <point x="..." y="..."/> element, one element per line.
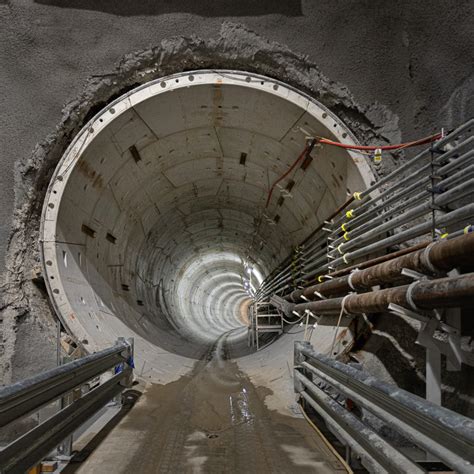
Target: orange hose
<point x="421" y="141"/>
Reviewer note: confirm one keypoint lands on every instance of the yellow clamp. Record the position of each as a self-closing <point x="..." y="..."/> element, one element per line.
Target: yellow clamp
<point x="467" y="229"/>
<point x="339" y="248"/>
<point x="346" y="260"/>
<point x="346" y="236"/>
<point x="343" y="227"/>
<point x="350" y="213"/>
<point x="357" y="196"/>
<point x="443" y="236"/>
<point x="320" y="278"/>
<point x="378" y="156"/>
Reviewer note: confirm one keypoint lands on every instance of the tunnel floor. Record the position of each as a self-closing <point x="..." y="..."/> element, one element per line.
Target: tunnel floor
<point x="213" y="420"/>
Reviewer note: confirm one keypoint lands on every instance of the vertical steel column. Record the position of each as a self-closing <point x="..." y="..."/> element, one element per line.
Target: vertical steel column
<point x="433" y="376"/>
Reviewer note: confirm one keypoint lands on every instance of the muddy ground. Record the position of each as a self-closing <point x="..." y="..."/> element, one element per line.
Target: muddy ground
<point x="214" y="421"/>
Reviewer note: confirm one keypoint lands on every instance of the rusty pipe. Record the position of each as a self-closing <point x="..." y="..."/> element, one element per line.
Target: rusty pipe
<point x="371" y="262"/>
<point x="447" y="292"/>
<point x="439" y="256"/>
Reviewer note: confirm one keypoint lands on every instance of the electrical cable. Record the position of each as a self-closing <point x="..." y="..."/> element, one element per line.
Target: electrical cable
<point x="286" y="173"/>
<point x="357" y="148"/>
<point x="421" y="141"/>
<point x="292" y="322"/>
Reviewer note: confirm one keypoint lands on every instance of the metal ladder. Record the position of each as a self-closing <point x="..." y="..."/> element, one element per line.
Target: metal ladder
<point x="264" y="318"/>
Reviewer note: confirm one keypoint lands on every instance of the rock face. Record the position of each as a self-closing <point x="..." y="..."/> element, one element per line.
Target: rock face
<point x="235" y="48"/>
<point x="406" y="65"/>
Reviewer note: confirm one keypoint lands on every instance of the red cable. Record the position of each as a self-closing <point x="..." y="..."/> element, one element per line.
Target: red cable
<point x="326" y="141"/>
<point x="422" y="141"/>
<point x="284" y="175"/>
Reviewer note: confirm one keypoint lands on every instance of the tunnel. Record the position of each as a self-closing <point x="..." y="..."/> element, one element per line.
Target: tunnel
<point x="236" y="237"/>
<point x="162" y="218"/>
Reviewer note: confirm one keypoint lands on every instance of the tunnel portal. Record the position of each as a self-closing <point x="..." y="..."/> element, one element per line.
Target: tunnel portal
<point x="161" y="219"/>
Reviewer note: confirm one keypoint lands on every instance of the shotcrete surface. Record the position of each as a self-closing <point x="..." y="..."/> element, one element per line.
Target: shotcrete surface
<point x="408" y="55"/>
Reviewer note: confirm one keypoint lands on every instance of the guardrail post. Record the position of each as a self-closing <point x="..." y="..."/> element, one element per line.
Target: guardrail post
<point x="299" y="358"/>
<point x="64" y="450"/>
<point x="128" y="364"/>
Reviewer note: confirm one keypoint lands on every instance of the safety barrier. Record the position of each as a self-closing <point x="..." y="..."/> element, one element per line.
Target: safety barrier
<point x="29" y="395"/>
<point x="321" y="382"/>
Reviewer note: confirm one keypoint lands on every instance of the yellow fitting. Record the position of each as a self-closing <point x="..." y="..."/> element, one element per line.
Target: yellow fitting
<point x="378" y="156"/>
<point x="357" y="196"/>
<point x="339" y="248"/>
<point x="443" y="236"/>
<point x="346" y="236"/>
<point x="343" y="227"/>
<point x="350" y="213"/>
<point x="346" y="260"/>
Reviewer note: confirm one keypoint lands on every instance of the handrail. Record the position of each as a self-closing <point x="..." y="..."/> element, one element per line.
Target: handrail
<point x="27" y="396"/>
<point x="446" y="434"/>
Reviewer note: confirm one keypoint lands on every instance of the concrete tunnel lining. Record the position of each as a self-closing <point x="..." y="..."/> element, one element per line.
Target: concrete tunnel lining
<point x="150" y="220"/>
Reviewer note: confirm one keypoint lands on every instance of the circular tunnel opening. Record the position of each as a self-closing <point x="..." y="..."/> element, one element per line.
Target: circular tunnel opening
<point x="156" y="224"/>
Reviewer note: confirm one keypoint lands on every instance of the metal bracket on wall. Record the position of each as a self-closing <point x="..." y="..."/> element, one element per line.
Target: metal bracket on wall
<point x="449" y="345"/>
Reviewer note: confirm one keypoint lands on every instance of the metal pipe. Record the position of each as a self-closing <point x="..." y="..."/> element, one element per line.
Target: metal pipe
<point x="450" y="218"/>
<point x="464" y="189"/>
<point x="358" y="227"/>
<point x="456" y="163"/>
<point x="315" y="264"/>
<point x="364" y="214"/>
<point x="442" y="255"/>
<point x="381" y="259"/>
<point x="467" y="230"/>
<point x="279" y="274"/>
<point x="464" y="173"/>
<point x="367" y="218"/>
<point x="370" y="219"/>
<point x="400" y="183"/>
<point x="410" y="163"/>
<point x="426" y="294"/>
<point x="371" y="262"/>
<point x="286" y="276"/>
<point x="448" y="435"/>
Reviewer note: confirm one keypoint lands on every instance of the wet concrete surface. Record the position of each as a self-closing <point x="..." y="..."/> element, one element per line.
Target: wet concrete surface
<point x="211" y="421"/>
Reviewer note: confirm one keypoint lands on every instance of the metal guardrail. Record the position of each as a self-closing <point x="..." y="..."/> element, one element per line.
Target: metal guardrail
<point x="445" y="434"/>
<point x="27" y="396"/>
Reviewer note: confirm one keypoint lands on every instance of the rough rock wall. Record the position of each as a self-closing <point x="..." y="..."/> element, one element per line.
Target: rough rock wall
<point x="411" y="57"/>
<point x="24" y="307"/>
